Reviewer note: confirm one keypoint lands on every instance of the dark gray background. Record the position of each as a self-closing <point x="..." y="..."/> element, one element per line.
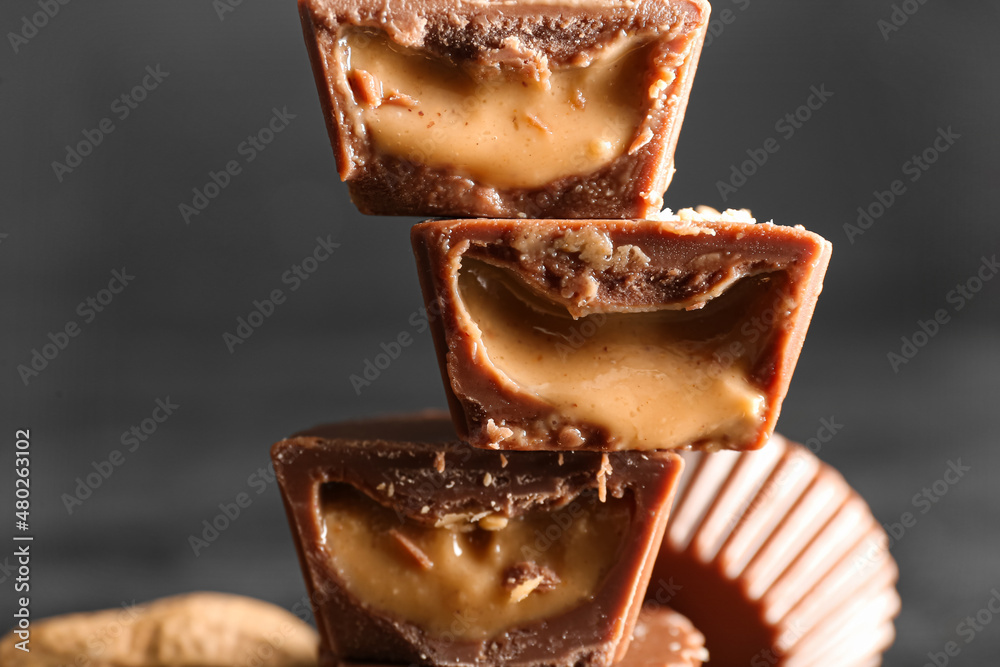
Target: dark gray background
<point x="162" y="336"/>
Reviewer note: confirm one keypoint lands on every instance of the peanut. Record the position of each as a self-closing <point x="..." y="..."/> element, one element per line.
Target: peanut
<point x="193" y="630"/>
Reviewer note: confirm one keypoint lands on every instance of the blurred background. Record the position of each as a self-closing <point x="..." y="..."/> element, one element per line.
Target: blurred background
<point x="896" y="163"/>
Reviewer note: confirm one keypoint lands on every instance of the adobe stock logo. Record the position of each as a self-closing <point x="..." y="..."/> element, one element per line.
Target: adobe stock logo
<point x="914" y="169"/>
<point x="122" y="107"/>
<point x="295" y="276"/>
<point x="31" y="25"/>
<point x="88" y="309"/>
<point x="958" y="297"/>
<point x="131" y="440"/>
<point x="372" y="367"/>
<point x="725" y="17"/>
<point x="223" y="7"/>
<point x="968" y="629"/>
<point x="249" y="149"/>
<point x="899" y="17"/>
<point x="787" y="126"/>
<point x="230" y="512"/>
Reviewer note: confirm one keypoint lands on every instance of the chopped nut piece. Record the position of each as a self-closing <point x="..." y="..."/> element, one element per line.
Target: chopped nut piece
<point x="439" y="462"/>
<point x="367" y="88"/>
<point x="452" y="520"/>
<point x="411" y="549"/>
<point x="570" y="438"/>
<point x="524" y="578"/>
<point x="525" y="589"/>
<point x="497" y="434"/>
<point x="400" y="100"/>
<point x="534" y="121"/>
<point x="644" y="138"/>
<point x="493" y="522"/>
<point x="602" y="478"/>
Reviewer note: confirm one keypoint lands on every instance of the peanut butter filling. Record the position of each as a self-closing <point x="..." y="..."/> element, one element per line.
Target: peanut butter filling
<point x="516" y="123"/>
<point x="472" y="579"/>
<point x="654" y="380"/>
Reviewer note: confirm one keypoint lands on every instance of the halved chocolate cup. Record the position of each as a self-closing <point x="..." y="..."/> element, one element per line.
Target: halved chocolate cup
<point x="417" y="548"/>
<point x="618" y="334"/>
<point x="498" y="109"/>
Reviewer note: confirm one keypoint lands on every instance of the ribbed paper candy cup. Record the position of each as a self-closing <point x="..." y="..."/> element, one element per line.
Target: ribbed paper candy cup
<point x="778" y="561"/>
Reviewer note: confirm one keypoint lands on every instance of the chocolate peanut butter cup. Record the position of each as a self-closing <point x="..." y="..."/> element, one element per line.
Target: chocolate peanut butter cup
<point x="618" y="334"/>
<point x="417" y="548"/>
<point x="561" y="109"/>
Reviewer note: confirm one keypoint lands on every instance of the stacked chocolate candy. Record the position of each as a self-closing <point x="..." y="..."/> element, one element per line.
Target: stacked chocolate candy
<point x="583" y="336"/>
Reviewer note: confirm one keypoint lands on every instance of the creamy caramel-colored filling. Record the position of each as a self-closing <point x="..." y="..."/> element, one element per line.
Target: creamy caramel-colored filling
<point x="472" y="580"/>
<point x="658" y="379"/>
<point x="522" y="125"/>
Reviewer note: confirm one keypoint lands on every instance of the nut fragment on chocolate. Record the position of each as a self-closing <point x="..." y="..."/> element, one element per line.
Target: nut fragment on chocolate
<point x="501" y="109"/>
<point x="527" y="577"/>
<point x="612" y="334"/>
<point x="406" y="563"/>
